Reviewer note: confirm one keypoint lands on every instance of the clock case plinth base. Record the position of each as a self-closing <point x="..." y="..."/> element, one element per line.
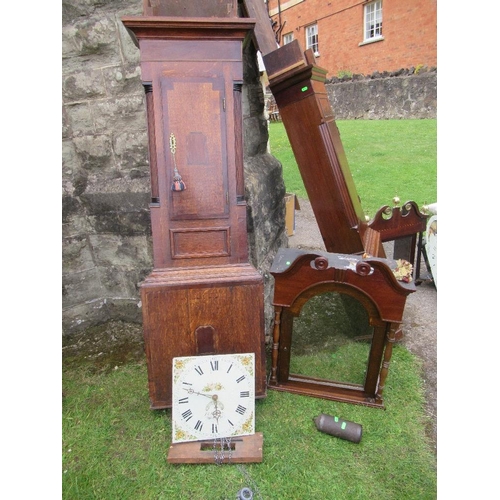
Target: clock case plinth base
<point x="245" y="449"/>
<point x="207" y="310"/>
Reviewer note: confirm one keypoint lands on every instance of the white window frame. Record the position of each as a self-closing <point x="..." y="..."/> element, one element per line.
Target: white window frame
<point x="372" y="22"/>
<point x="312" y="39"/>
<point x="287" y="38"/>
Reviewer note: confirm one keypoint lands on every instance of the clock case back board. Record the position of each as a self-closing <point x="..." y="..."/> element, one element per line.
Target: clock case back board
<point x="203" y="295"/>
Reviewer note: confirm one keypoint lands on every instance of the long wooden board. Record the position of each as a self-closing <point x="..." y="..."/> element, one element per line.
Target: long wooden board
<point x="264" y="36"/>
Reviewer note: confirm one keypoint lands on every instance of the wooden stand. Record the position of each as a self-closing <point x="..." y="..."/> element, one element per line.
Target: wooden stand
<point x="244" y="449"/>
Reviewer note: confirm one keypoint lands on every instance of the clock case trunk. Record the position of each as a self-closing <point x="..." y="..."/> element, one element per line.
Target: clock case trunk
<point x="203" y="296"/>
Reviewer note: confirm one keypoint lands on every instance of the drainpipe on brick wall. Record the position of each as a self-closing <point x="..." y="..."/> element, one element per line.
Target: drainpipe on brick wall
<point x="280" y="27"/>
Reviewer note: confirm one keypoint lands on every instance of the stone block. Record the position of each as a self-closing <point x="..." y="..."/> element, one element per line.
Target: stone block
<point x="265" y="193"/>
<point x="70" y="160"/>
<point x="71" y="206"/>
<point x="66" y="127"/>
<point x="129" y="252"/>
<point x="81" y="287"/>
<point x="83" y="85"/>
<point x="122" y="223"/>
<point x="79" y="118"/>
<point x="130" y="51"/>
<point x="104" y="203"/>
<point x="94" y="36"/>
<point x="74" y="10"/>
<point x="121" y="282"/>
<point x="255" y="136"/>
<point x="94" y="151"/>
<point x="76" y="255"/>
<point x="254" y="99"/>
<point x="125" y="309"/>
<point x="123" y="80"/>
<point x="131" y="151"/>
<point x="127" y="113"/>
<point x="76" y="223"/>
<point x="85" y="315"/>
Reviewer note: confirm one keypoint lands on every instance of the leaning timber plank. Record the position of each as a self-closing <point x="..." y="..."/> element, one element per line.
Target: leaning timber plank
<point x="264" y="36"/>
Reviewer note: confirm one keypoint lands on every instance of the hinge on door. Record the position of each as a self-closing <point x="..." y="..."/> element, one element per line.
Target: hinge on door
<point x="224" y="103"/>
<point x="227" y="197"/>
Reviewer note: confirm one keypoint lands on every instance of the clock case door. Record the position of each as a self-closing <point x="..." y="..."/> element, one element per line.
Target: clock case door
<point x="196" y="96"/>
<point x="202" y="296"/>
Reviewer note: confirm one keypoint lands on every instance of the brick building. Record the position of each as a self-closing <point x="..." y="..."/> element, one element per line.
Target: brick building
<point x="360" y="36"/>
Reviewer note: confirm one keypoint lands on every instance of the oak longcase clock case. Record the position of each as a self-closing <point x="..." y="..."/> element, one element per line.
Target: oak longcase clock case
<point x="203" y="296"/>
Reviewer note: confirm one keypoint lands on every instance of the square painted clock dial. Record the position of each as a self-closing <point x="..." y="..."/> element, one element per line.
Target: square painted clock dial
<point x="213" y="397"/>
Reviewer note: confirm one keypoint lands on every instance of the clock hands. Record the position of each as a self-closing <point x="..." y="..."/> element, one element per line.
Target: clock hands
<point x="216" y="413"/>
<point x="192" y="391"/>
<point x="215" y="401"/>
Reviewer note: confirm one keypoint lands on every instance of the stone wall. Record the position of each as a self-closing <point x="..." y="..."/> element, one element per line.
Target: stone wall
<point x="107" y="248"/>
<point x="407" y="93"/>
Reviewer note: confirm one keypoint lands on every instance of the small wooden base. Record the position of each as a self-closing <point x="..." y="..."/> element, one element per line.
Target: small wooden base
<point x="247" y="449"/>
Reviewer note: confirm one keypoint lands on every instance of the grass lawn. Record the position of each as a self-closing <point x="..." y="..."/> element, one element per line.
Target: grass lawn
<point x="387" y="158"/>
<point x="114" y="446"/>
